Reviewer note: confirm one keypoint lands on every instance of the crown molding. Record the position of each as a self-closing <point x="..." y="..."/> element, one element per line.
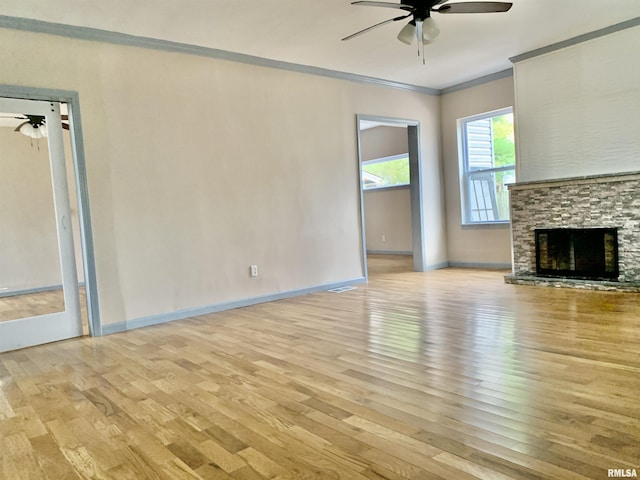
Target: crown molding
<point x="478" y="81"/>
<point x="106" y="36"/>
<point x="634" y="22"/>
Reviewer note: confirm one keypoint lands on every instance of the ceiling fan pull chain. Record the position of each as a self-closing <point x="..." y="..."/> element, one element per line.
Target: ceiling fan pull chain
<point x="419" y="33"/>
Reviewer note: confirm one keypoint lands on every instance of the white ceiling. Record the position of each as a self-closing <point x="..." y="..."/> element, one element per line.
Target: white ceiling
<point x="308" y="32"/>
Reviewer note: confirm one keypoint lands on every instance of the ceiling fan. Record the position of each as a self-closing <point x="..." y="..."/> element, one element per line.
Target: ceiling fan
<point x="35" y="126"/>
<point x="421" y="26"/>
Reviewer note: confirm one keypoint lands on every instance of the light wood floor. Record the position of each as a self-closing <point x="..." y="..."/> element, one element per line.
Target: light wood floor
<point x="31" y="305"/>
<point x="446" y="375"/>
<point x="41" y="303"/>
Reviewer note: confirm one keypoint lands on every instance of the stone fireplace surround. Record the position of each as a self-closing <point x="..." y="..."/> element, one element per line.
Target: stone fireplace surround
<point x="583" y="202"/>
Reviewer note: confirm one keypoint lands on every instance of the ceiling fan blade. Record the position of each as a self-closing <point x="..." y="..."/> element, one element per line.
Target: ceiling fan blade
<point x="474" y="7"/>
<point x="17" y="129"/>
<point x="408" y="8"/>
<point x="64" y="117"/>
<point x="375" y="26"/>
<point x="65" y="126"/>
<point x="438" y="2"/>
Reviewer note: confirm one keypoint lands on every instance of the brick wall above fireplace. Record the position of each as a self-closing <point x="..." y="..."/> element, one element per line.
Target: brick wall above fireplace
<point x="609" y="201"/>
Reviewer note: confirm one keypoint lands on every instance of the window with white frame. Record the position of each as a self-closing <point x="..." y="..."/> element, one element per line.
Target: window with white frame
<point x="488" y="162"/>
<point x="386" y="172"/>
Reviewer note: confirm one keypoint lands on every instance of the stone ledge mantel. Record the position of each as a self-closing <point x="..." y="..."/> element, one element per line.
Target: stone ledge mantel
<point x="560" y="182"/>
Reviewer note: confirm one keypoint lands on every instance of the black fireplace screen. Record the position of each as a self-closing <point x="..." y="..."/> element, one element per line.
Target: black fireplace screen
<point x="590" y="253"/>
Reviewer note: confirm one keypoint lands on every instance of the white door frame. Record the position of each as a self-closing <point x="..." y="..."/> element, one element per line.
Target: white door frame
<point x="72" y="100"/>
<point x="26" y="332"/>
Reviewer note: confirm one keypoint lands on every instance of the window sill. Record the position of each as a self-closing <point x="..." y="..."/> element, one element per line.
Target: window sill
<point x="484" y="225"/>
<point x="388" y="187"/>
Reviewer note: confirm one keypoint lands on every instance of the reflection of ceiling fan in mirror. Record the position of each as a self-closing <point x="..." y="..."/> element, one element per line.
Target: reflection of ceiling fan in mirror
<point x="421" y="26"/>
<point x="35" y="126"/>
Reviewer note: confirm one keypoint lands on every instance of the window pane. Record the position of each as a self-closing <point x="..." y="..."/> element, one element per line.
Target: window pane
<point x="488" y="196"/>
<point x="490" y="142"/>
<point x="480" y="144"/>
<point x="386" y="173"/>
<point x="504" y="148"/>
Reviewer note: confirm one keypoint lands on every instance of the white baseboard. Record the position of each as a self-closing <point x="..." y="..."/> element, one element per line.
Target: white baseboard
<point x="219" y="307"/>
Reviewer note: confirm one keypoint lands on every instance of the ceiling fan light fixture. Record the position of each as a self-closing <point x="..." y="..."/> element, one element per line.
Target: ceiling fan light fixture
<point x="33" y="132"/>
<point x="408" y="33"/>
<point x="430" y="30"/>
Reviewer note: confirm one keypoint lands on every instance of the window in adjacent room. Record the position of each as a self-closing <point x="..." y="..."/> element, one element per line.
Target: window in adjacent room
<point x="488" y="161"/>
<point x="386" y="172"/>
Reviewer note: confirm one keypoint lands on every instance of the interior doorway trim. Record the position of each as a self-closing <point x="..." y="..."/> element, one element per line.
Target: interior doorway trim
<point x="72" y="99"/>
<point x="415" y="187"/>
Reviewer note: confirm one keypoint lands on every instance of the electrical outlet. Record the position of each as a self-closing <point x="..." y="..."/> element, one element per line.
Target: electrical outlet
<point x="253" y="270"/>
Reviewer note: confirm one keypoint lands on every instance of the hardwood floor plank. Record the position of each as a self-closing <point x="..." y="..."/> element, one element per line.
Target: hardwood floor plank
<point x="225" y="439"/>
<point x="136" y="465"/>
<point x="188" y="454"/>
<point x="262" y="464"/>
<point x="51" y="461"/>
<point x="221" y="457"/>
<point x="84" y="464"/>
<point x="178" y="470"/>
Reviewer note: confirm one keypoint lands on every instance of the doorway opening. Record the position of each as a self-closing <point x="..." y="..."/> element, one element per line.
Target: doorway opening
<point x="390" y="194"/>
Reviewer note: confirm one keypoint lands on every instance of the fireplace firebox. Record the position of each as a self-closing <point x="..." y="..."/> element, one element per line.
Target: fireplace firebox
<point x="584" y="253"/>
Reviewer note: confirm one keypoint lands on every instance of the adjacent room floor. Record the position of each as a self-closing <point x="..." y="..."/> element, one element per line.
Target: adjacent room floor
<point x="450" y="375"/>
<point x="15" y="307"/>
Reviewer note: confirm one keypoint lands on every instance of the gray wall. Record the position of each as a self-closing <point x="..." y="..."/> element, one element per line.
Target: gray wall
<point x="387" y="215"/>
